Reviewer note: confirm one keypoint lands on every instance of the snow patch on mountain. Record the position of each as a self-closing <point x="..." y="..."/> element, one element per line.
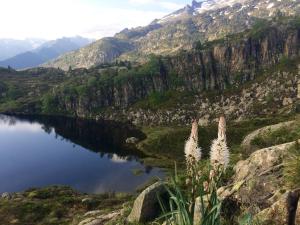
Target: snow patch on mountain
<point x="213" y="4"/>
<point x="203" y="6"/>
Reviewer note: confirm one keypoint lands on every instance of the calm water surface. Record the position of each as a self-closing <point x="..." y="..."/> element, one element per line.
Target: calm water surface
<point x="88" y="156"/>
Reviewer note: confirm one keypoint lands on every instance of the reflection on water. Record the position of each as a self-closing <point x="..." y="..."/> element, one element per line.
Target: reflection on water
<point x="89" y="156"/>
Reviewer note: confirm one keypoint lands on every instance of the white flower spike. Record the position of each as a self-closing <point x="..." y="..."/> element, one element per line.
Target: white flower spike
<point x="219" y="153"/>
<point x="191" y="146"/>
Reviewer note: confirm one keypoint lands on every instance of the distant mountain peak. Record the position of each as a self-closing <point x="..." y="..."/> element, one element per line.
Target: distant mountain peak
<point x="201" y="20"/>
<point x="255" y="8"/>
<point x="45" y="52"/>
<point x="196" y="4"/>
<point x="195" y="8"/>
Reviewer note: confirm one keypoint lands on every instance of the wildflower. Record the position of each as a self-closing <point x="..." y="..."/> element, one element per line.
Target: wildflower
<point x="219" y="153"/>
<point x="191" y="146"/>
<point x="192" y="151"/>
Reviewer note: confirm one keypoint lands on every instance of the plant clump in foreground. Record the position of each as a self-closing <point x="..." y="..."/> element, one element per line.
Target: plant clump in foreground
<point x="197" y="202"/>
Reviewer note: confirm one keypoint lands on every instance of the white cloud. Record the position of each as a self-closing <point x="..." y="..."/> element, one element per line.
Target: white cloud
<point x="118" y="159"/>
<point x="171" y="5"/>
<point x="141" y="1"/>
<point x="20" y="127"/>
<point x="164" y="4"/>
<point x="51" y="19"/>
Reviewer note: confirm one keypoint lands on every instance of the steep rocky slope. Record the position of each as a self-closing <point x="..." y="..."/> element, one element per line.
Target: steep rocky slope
<point x="222" y="66"/>
<point x="251" y="73"/>
<point x="204" y="21"/>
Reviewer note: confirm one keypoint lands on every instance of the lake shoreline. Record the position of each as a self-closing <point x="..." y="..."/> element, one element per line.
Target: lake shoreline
<point x="99" y="159"/>
<point x="58" y="205"/>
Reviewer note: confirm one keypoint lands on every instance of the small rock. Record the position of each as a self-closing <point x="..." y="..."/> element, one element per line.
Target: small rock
<point x="287" y="101"/>
<point x="204" y="121"/>
<point x="92" y="222"/>
<point x="92" y="213"/>
<point x="86" y="200"/>
<point x="132" y="140"/>
<point x="101" y="219"/>
<point x="14" y="221"/>
<point x="6" y="195"/>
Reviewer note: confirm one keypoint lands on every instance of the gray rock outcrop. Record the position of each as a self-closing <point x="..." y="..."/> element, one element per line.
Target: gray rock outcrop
<point x="258" y="182"/>
<point x="278" y="212"/>
<point x="146" y="207"/>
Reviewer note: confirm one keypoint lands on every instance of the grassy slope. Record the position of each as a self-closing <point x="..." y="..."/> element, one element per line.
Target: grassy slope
<point x="280" y="136"/>
<point x="55" y="206"/>
<point x="167" y="143"/>
<point x="21" y="89"/>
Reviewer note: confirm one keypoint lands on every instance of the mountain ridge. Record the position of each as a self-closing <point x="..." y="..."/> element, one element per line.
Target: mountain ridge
<point x="11" y="47"/>
<point x="45" y="52"/>
<point x="200" y="21"/>
<point x="202" y="82"/>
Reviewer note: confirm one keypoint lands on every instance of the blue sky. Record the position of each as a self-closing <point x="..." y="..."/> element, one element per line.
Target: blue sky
<point x="51" y="19"/>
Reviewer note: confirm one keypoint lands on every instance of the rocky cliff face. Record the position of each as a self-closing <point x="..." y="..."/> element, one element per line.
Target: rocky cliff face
<point x="220" y="66"/>
<point x="230" y="63"/>
<point x="247" y="74"/>
<point x="207" y="20"/>
<point x="277" y="94"/>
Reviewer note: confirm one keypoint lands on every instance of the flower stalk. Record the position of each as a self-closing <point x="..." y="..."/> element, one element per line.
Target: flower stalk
<point x="219" y="153"/>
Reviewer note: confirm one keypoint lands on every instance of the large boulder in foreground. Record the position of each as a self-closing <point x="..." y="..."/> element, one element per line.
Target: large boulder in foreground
<point x="146" y="207"/>
<point x="259" y="184"/>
